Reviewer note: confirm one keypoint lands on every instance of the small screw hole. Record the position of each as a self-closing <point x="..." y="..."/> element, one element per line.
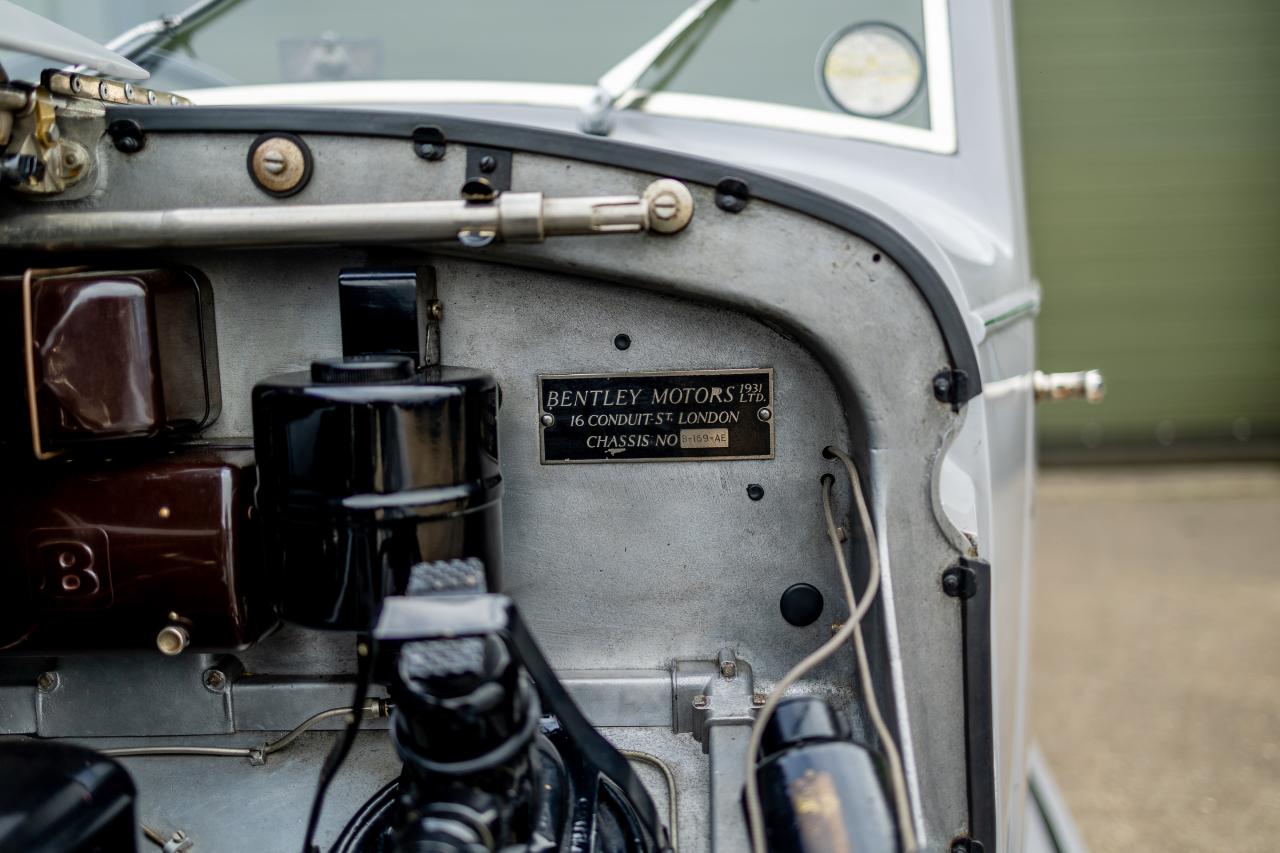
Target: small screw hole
<point x="875" y="259"/>
<point x="622" y="342"/>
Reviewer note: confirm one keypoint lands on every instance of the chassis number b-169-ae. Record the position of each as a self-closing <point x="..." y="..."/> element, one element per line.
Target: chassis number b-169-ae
<point x="679" y="416"/>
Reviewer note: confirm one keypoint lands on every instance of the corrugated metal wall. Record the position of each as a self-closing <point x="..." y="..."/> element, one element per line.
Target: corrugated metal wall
<point x="1152" y="144"/>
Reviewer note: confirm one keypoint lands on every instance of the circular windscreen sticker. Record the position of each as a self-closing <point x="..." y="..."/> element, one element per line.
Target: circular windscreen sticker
<point x="871" y="70"/>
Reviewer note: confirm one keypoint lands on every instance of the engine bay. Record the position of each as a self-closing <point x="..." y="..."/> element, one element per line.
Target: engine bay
<point x="493" y="515"/>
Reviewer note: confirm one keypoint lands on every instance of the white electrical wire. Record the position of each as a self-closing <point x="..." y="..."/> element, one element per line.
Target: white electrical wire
<point x="897" y="778"/>
<point x="850" y="630"/>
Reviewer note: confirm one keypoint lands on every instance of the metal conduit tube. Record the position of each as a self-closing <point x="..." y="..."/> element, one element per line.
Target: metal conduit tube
<point x="373" y="709"/>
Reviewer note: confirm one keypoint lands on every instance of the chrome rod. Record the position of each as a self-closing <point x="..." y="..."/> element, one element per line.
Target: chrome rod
<point x="514" y="217"/>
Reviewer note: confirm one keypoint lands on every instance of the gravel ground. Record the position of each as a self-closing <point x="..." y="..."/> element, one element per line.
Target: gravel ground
<point x="1156" y="677"/>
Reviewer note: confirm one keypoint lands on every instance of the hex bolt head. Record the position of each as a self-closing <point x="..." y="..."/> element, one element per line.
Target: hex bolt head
<point x="699" y="701"/>
<point x="47" y="682"/>
<point x="547" y="419"/>
<point x="728" y="669"/>
<point x="951" y="584"/>
<point x="758" y="699"/>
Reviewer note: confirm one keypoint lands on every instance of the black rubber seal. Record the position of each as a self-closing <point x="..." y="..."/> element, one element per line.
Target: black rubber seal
<point x="975" y="619"/>
<point x="592" y="149"/>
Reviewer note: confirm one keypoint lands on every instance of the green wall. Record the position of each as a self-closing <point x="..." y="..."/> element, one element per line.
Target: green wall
<point x="1152" y="142"/>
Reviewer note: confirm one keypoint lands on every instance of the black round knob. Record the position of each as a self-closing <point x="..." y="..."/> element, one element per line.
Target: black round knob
<point x="801" y="604"/>
<point x="362" y="369"/>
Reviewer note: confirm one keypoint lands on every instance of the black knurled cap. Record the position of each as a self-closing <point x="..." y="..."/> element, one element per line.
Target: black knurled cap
<point x="362" y="369"/>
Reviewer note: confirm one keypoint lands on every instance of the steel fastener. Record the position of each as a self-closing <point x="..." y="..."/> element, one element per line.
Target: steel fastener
<point x="728" y="669"/>
<point x="215" y="680"/>
<point x="700" y="701"/>
<point x="172" y="640"/>
<point x="665" y="205"/>
<point x="279" y="164"/>
<point x="47" y="682"/>
<point x="273" y="161"/>
<point x="732" y="195"/>
<point x="670" y="206"/>
<point x="435" y="310"/>
<point x="758" y="699"/>
<point x="547" y="419"/>
<point x="765" y="414"/>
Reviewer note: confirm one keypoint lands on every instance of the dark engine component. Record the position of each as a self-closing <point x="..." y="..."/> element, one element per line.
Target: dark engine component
<point x="107" y="355"/>
<point x="491" y="762"/>
<point x="368" y="467"/>
<point x="819" y="789"/>
<point x="108" y="554"/>
<point x="464" y="726"/>
<point x="384" y="311"/>
<point x="57" y="797"/>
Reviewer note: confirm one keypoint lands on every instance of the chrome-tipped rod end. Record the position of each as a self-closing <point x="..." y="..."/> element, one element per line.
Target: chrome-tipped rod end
<point x="1087" y="385"/>
<point x="669" y="206"/>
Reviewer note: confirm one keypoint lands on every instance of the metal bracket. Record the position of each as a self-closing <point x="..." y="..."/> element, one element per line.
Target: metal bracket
<point x="716" y="702"/>
<point x="429" y="142"/>
<point x="125" y="696"/>
<point x="969" y="581"/>
<point x="33" y="131"/>
<point x="492" y="165"/>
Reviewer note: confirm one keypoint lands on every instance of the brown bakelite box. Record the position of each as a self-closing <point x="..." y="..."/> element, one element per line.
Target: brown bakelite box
<point x="110" y="555"/>
<point x="113" y="355"/>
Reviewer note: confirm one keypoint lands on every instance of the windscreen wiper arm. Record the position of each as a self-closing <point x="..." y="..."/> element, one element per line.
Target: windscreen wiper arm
<point x="596" y="116"/>
<point x="134" y="42"/>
